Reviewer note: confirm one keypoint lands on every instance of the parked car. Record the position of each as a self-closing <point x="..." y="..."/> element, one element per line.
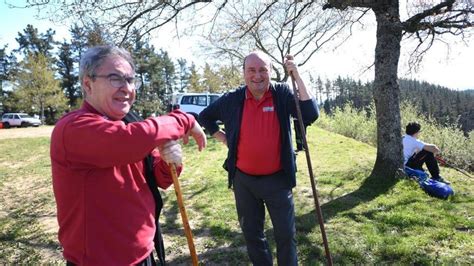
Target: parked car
<point x="19" y="120"/>
<point x="193" y="103"/>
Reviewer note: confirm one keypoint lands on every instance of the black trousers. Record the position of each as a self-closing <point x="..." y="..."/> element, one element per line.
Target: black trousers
<point x="424" y="157"/>
<point x="148" y="261"/>
<point x="252" y="195"/>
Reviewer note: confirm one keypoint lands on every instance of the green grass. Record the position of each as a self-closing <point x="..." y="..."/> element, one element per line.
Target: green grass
<point x="367" y="220"/>
<point x="27" y="210"/>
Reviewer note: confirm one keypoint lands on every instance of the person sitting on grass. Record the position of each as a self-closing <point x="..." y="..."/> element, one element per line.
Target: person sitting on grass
<point x="416" y="152"/>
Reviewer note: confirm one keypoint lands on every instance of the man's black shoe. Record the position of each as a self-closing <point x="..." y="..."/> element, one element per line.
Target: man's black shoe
<point x="442" y="180"/>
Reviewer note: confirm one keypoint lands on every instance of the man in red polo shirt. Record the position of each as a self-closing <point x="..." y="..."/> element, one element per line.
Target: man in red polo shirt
<point x="105" y="209"/>
<point x="260" y="160"/>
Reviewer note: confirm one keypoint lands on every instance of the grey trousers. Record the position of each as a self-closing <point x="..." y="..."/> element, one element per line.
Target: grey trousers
<point x="252" y="194"/>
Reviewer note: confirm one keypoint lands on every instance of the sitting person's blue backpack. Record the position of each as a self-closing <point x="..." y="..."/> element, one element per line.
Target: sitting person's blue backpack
<point x="431" y="187"/>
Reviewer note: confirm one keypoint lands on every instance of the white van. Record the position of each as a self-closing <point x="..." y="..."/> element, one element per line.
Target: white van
<point x="193" y="103"/>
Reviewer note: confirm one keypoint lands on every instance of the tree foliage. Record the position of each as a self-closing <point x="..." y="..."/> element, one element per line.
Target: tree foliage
<point x="195" y="84"/>
<point x="445" y="106"/>
<point x="157" y="72"/>
<point x="211" y="81"/>
<point x="156" y="68"/>
<point x="231" y="77"/>
<point x="36" y="89"/>
<point x="31" y="41"/>
<point x="7" y="67"/>
<point x="69" y="75"/>
<point x="214" y="80"/>
<point x="183" y="75"/>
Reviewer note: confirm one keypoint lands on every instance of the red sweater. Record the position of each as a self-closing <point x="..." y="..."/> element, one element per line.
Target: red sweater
<point x="105" y="209"/>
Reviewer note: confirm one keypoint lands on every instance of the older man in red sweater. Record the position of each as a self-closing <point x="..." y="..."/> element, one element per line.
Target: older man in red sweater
<point x="106" y="211"/>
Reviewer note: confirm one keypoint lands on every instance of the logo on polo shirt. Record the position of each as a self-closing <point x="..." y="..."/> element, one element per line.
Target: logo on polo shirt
<point x="268" y="109"/>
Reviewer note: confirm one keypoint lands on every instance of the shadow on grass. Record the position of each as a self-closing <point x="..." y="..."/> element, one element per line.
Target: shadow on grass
<point x="22" y="241"/>
<point x="169" y="218"/>
<point x="234" y="252"/>
<point x="309" y="251"/>
<point x="220" y="235"/>
<point x="227" y="249"/>
<point x="371" y="188"/>
<point x="216" y="244"/>
<point x="216" y="256"/>
<point x="30" y="242"/>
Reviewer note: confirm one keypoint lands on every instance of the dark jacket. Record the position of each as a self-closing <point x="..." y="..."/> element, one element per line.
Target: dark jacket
<point x="228" y="109"/>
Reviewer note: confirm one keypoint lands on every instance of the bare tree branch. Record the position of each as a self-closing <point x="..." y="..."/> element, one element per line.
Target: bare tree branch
<point x="176" y="11"/>
<point x="299" y="12"/>
<point x="448" y="17"/>
<point x="249" y="28"/>
<point x="216" y="14"/>
<point x="410" y="24"/>
<point x="130" y="22"/>
<point x="119" y="17"/>
<point x="343" y="4"/>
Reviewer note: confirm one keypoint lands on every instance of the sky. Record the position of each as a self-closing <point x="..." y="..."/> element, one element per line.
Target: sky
<point x="451" y="67"/>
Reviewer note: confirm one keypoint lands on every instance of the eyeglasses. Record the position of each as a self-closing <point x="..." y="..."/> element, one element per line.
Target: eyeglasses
<point x="117" y="81"/>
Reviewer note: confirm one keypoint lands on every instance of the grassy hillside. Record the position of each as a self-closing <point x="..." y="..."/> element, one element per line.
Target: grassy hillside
<point x="367" y="221"/>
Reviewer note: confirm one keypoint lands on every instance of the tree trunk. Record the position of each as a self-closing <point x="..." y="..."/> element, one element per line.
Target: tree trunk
<point x="387" y="92"/>
<point x="42" y="112"/>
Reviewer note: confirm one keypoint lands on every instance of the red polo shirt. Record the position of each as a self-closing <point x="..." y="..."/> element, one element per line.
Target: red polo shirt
<point x="259" y="146"/>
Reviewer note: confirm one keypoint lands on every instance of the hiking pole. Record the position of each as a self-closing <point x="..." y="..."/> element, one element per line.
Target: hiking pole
<point x="184" y="217"/>
<point x="310" y="169"/>
<point x="443" y="162"/>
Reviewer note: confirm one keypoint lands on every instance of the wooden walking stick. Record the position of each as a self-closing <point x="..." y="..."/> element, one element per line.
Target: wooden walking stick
<point x="443" y="162"/>
<point x="319" y="214"/>
<point x="184" y="217"/>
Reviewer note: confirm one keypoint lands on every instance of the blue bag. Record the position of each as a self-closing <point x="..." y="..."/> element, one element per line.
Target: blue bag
<point x="430" y="186"/>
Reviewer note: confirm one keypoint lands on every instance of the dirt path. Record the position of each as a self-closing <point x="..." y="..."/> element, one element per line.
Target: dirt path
<point x="29" y="132"/>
